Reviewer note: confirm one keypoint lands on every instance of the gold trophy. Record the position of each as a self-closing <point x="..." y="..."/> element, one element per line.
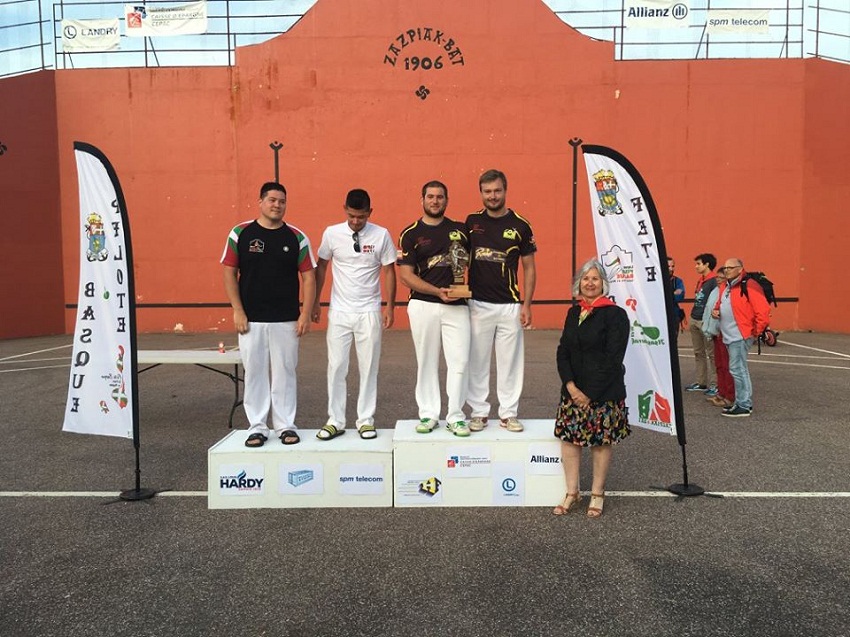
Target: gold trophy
<point x="458" y="261"/>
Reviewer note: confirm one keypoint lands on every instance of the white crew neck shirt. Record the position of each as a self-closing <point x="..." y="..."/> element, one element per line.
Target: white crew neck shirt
<point x="357" y="275"/>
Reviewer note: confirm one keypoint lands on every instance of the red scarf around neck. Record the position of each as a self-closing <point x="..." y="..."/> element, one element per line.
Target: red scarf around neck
<point x="587" y="308"/>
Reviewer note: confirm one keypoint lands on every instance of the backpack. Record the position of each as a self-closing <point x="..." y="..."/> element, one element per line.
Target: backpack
<point x="764" y="283"/>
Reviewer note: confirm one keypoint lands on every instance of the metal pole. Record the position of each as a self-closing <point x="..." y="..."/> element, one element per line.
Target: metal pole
<point x="229" y="48"/>
<point x="817" y="29"/>
<point x="575" y="142"/>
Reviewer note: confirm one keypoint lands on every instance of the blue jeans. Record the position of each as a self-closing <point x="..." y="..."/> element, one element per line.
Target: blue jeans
<point x="738" y="351"/>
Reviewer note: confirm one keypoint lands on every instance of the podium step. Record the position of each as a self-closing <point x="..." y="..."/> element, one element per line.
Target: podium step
<point x="493" y="467"/>
<point x="401" y="468"/>
<point x="344" y="472"/>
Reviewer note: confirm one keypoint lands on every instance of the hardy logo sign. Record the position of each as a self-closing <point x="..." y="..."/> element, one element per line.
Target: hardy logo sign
<point x="241" y="480"/>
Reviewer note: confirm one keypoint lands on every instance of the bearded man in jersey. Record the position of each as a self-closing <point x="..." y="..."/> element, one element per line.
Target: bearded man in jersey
<point x="499" y="241"/>
<point x="437" y="321"/>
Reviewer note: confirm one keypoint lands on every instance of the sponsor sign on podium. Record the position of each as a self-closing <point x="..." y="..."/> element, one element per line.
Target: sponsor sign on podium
<point x="493" y="467"/>
<point x="344" y="472"/>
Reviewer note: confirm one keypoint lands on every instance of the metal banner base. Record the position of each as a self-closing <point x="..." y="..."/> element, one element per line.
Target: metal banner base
<point x="686" y="489"/>
<point x="137" y="494"/>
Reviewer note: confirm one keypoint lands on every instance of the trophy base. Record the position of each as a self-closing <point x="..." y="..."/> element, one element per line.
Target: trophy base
<point x="459" y="292"/>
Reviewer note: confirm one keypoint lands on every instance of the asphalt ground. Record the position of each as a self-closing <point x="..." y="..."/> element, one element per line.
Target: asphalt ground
<point x="770" y="557"/>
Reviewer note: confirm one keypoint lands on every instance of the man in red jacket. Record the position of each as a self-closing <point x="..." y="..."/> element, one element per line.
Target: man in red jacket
<point x="744" y="313"/>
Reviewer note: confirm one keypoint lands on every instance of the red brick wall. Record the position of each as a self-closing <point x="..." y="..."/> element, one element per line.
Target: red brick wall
<point x="735" y="152"/>
<point x="31" y="293"/>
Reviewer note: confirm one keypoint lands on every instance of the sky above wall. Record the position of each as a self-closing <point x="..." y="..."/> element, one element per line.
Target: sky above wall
<point x="30" y="32"/>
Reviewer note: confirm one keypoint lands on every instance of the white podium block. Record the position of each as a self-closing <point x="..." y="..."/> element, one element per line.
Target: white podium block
<point x="493" y="467"/>
<point x="344" y="472"/>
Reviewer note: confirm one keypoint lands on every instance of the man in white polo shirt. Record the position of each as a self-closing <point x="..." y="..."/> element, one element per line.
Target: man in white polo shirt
<point x="358" y="251"/>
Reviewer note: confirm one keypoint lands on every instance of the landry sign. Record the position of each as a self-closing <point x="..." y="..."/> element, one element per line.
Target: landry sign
<point x="90" y="35"/>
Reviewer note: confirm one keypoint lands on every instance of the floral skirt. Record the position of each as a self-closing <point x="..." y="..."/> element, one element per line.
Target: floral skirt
<point x="600" y="424"/>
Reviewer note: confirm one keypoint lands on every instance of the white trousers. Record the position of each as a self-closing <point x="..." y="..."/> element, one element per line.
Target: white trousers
<point x="365" y="329"/>
<point x="495" y="323"/>
<point x="433" y="325"/>
<point x="269" y="358"/>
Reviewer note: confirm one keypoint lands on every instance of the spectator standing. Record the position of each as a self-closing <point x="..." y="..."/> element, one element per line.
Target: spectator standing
<point x="678" y="287"/>
<point x="725" y="396"/>
<point x="744" y="313"/>
<point x="706" y="376"/>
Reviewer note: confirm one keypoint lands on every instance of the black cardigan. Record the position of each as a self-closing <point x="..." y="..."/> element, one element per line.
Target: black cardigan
<point x="591" y="354"/>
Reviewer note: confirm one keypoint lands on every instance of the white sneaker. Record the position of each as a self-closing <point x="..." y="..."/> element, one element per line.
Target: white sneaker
<point x="477" y="423"/>
<point x="512" y="424"/>
<point x="426" y="425"/>
<point x="458" y="428"/>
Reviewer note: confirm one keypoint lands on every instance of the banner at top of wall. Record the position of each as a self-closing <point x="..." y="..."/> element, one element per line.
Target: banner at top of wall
<point x="101" y="399"/>
<point x="656" y="14"/>
<point x="738" y="21"/>
<point x="631" y="249"/>
<point x="90" y="35"/>
<point x="142" y="20"/>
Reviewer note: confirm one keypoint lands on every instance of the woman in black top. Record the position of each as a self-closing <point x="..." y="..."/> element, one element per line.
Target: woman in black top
<point x="593" y="409"/>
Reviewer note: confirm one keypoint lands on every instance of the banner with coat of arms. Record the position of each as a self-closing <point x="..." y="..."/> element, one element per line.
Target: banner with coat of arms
<point x="630" y="246"/>
<point x="101" y="397"/>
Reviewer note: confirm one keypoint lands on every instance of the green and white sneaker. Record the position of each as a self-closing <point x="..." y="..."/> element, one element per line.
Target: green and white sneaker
<point x="458" y="428"/>
<point x="426" y="426"/>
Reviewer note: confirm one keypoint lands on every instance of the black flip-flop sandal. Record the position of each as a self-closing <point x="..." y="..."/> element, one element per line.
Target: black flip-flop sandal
<point x="329" y="432"/>
<point x="367" y="432"/>
<point x="290" y="437"/>
<point x="255" y="437"/>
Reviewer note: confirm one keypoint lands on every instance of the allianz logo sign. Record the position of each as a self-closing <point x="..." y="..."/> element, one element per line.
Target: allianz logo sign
<point x="541" y="459"/>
